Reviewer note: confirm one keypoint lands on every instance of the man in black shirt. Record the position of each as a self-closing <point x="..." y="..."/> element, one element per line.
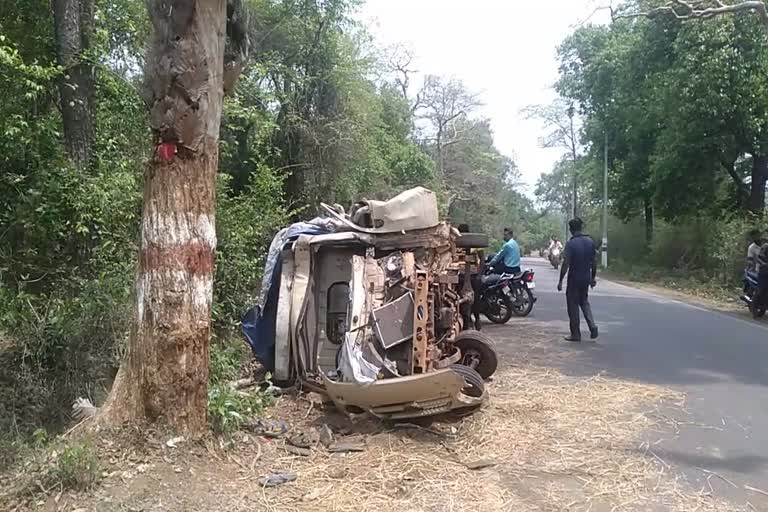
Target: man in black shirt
<point x="581" y="266"/>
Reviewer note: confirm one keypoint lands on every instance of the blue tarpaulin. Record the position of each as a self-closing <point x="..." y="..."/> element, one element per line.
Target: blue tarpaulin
<point x="258" y="323"/>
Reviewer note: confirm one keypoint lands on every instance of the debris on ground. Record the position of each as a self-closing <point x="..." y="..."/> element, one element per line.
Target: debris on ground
<point x="346" y="447"/>
<point x="266" y="427"/>
<point x="326" y="435"/>
<point x="275" y="479"/>
<point x="174" y="442"/>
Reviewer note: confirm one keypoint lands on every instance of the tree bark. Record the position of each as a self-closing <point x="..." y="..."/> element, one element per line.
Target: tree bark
<point x="649" y="228"/>
<point x="164" y="376"/>
<point x="742" y="189"/>
<point x="73" y="26"/>
<point x="759" y="179"/>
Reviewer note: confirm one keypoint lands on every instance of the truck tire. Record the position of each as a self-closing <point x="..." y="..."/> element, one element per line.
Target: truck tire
<point x="472" y="241"/>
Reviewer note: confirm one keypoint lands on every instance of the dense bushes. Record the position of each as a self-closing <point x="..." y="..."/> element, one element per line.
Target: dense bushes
<point x="699" y="254"/>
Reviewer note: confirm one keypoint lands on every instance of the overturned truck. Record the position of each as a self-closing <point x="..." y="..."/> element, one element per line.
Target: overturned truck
<point x="372" y="309"/>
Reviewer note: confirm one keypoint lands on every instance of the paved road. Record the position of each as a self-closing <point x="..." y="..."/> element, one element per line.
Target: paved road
<point x="720" y="361"/>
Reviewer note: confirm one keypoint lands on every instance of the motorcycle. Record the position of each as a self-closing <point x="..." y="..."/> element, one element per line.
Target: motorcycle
<point x="752" y="296"/>
<point x="503" y="295"/>
<point x="555" y="258"/>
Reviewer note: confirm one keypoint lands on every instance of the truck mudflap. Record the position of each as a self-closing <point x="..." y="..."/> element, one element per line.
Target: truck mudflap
<point x="413" y="396"/>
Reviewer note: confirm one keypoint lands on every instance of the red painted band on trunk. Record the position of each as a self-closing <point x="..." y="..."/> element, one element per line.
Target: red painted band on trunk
<point x="194" y="257"/>
<point x="166" y="150"/>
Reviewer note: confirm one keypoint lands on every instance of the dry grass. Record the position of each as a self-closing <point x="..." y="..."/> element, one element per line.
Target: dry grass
<point x="545" y="442"/>
<point x="551" y="443"/>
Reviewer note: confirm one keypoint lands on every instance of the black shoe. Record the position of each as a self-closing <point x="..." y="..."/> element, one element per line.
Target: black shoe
<point x="571" y="338"/>
<point x="594" y="333"/>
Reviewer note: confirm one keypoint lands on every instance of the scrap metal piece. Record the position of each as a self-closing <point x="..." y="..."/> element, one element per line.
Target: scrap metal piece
<point x="412" y="396"/>
<point x="393" y="323"/>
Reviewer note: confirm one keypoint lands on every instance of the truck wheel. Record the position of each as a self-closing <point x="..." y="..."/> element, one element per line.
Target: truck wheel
<point x="472" y="241"/>
<point x="473" y="382"/>
<point x="477" y="352"/>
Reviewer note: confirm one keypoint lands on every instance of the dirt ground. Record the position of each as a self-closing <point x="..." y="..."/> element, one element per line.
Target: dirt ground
<point x="544" y="442"/>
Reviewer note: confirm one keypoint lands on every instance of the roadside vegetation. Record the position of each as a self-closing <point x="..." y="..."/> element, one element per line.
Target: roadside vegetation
<point x="682" y="107"/>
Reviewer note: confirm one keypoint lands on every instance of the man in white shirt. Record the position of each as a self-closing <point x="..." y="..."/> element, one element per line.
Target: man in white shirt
<point x="753" y="252"/>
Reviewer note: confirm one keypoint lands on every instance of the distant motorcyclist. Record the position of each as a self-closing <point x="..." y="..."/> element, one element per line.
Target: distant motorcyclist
<point x="555" y="252"/>
<point x="507" y="260"/>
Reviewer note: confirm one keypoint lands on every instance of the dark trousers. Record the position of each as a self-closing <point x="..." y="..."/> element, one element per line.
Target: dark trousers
<point x="503" y="269"/>
<point x="577" y="296"/>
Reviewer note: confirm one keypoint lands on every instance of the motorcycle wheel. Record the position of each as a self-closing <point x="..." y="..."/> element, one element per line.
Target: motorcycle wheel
<point x="477" y="352"/>
<point x="757" y="309"/>
<point x="499" y="308"/>
<point x="522" y="304"/>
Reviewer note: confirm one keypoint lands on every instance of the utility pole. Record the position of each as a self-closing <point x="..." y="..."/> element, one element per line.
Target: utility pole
<point x="574" y="199"/>
<point x="605" y="206"/>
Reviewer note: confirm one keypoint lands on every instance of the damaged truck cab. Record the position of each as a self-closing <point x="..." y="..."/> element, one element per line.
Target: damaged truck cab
<point x="374" y="313"/>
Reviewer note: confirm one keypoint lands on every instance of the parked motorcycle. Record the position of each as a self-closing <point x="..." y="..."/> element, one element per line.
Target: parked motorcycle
<point x="757" y="304"/>
<point x="501" y="296"/>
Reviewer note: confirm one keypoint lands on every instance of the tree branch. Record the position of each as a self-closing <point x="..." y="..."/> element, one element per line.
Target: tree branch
<point x="685" y="10"/>
<point x="738" y="180"/>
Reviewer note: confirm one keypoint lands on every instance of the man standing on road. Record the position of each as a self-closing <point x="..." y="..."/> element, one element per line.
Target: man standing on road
<point x="581" y="266"/>
<point x="507" y="260"/>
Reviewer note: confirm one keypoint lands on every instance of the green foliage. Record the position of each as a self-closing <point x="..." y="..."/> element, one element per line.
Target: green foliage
<point x="245" y="225"/>
<point x="704" y="256"/>
<point x="75" y="467"/>
<point x="681" y="104"/>
<point x="229" y="408"/>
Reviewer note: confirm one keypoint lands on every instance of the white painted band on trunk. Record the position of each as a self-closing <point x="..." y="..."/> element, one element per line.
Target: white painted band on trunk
<point x="178" y="228"/>
<point x="199" y="288"/>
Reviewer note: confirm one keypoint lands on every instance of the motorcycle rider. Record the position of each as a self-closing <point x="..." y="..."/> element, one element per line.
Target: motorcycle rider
<point x="555" y="249"/>
<point x="753" y="252"/>
<point x="760" y="296"/>
<point x="507" y="260"/>
<point x="555" y="245"/>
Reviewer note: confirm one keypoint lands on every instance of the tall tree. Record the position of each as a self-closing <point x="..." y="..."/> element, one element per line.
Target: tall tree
<point x="681" y="103"/>
<point x="558" y="119"/>
<point x="751" y="143"/>
<point x="445" y="103"/>
<point x="164" y="376"/>
<point x="73" y="24"/>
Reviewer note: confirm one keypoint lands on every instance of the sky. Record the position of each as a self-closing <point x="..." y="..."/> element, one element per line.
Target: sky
<point x="505" y="50"/>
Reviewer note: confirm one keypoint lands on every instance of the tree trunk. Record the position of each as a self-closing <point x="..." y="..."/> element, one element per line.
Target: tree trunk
<point x="648" y="210"/>
<point x="164" y="376"/>
<point x="73" y="25"/>
<point x="574" y="190"/>
<point x="759" y="179"/>
<point x="440" y="157"/>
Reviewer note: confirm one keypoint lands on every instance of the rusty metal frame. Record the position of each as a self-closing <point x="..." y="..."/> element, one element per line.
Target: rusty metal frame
<point x="420" y="361"/>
